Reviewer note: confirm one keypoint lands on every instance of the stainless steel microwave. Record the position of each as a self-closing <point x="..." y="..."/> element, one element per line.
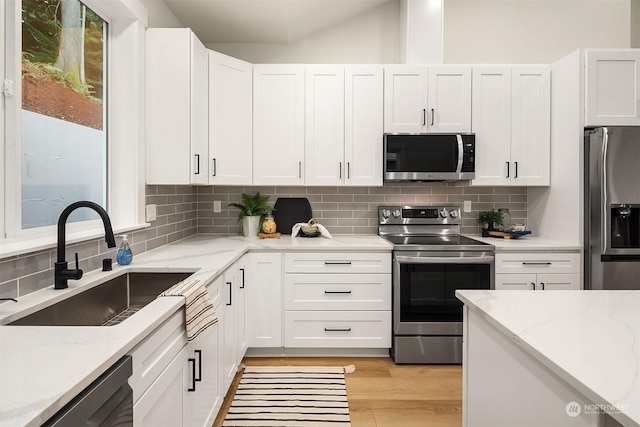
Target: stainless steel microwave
<point x="429" y="157"/>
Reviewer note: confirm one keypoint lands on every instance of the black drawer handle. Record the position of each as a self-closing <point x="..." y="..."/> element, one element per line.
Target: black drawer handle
<point x="337" y="292"/>
<point x="230" y="292"/>
<point x="337" y="263"/>
<point x="536" y="263"/>
<point x="337" y="329"/>
<point x="199" y="353"/>
<point x="192" y="361"/>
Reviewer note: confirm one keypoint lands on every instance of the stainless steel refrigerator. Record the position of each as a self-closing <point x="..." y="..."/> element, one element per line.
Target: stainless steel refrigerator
<point x="612" y="208"/>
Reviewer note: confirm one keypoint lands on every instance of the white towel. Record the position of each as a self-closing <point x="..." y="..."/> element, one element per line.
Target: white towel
<point x="198" y="308"/>
<point x="321" y="228"/>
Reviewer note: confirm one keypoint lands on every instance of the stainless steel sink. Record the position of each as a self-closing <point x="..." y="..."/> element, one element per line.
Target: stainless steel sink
<point x="106" y="304"/>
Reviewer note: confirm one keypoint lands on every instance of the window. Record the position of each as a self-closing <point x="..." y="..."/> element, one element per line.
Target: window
<point x="64" y="131"/>
<point x="104" y="156"/>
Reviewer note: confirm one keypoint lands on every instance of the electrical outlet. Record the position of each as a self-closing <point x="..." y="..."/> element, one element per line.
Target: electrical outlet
<point x="151" y="213"/>
<point x="467" y="206"/>
<point x="217" y="206"/>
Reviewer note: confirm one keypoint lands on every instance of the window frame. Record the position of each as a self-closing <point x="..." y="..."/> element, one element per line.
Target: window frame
<point x="125" y="124"/>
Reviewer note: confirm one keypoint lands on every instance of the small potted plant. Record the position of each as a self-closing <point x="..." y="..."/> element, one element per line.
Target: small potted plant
<point x="490" y="219"/>
<point x="252" y="211"/>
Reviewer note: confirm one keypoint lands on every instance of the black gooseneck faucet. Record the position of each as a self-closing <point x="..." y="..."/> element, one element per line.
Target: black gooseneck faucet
<point x="62" y="273"/>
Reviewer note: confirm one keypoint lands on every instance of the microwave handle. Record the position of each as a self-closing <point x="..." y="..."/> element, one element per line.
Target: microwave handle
<point x="460" y="153"/>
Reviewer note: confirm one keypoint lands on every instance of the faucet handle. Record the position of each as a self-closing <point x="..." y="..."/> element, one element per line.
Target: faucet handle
<point x="77" y="273"/>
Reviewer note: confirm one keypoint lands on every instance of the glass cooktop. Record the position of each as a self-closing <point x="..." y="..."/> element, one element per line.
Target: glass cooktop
<point x="433" y="242"/>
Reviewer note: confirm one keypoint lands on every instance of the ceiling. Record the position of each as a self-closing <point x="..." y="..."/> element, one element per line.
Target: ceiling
<point x="264" y="21"/>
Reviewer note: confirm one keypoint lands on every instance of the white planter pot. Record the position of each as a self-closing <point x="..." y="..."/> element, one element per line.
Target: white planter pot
<point x="250" y="226"/>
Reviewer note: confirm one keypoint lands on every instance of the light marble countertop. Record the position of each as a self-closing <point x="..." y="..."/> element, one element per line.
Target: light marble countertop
<point x="527" y="244"/>
<point x="590" y="339"/>
<point x="42" y="368"/>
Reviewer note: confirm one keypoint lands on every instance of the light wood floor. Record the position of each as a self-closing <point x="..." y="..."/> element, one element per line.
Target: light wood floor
<point x="383" y="394"/>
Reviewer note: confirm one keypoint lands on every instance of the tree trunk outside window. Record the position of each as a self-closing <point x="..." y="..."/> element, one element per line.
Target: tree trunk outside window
<point x="70" y="52"/>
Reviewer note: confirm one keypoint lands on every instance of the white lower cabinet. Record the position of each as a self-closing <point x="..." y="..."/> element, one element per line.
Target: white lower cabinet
<point x="263" y="277"/>
<point x="163" y="404"/>
<point x="204" y="391"/>
<point x="538" y="271"/>
<point x="337" y="300"/>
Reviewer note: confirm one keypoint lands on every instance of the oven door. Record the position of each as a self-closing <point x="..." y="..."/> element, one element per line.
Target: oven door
<point x="424" y="285"/>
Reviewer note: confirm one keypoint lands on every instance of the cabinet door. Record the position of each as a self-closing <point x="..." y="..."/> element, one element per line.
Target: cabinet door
<point x="521" y="282"/>
<point x="492" y="124"/>
<point x="163" y="404"/>
<point x="241" y="306"/>
<point x="278" y="124"/>
<point x="565" y="282"/>
<point x="169" y="155"/>
<point x="230" y="120"/>
<point x="264" y="299"/>
<point x="363" y="125"/>
<point x="324" y="125"/>
<point x="530" y="126"/>
<point x="199" y="111"/>
<point x="205" y="401"/>
<point x="613" y="87"/>
<point x="449" y="99"/>
<point x="229" y="325"/>
<point x="405" y="99"/>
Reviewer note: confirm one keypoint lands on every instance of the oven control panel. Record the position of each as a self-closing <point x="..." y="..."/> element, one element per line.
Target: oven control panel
<point x="418" y="215"/>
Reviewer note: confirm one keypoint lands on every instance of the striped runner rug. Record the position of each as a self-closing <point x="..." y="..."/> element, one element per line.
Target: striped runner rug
<point x="290" y="396"/>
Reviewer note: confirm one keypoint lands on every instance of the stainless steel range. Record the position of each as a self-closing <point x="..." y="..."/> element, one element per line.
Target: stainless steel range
<point x="430" y="261"/>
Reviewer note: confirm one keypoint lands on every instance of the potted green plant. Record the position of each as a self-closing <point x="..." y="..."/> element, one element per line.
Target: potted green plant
<point x="490" y="219"/>
<point x="252" y="211"/>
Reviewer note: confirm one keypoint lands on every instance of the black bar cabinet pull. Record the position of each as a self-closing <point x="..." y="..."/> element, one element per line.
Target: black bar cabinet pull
<point x="337" y="292"/>
<point x="542" y="283"/>
<point x="213" y="166"/>
<point x="199" y="377"/>
<point x="337" y="263"/>
<point x="192" y="361"/>
<point x="337" y="329"/>
<point x="536" y="263"/>
<point x="230" y="291"/>
<point x="516" y="169"/>
<point x="433" y="113"/>
<point x="348" y="170"/>
<point x="533" y="286"/>
<point x="339" y="170"/>
<point x="507" y="170"/>
<point x="424" y="117"/>
<point x="197" y="164"/>
<point x="242" y="286"/>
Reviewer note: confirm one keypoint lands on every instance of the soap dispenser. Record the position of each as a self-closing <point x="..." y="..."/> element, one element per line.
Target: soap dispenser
<point x="124" y="255"/>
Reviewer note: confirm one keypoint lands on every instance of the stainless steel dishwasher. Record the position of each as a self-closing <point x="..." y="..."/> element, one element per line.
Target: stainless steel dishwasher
<point x="106" y="402"/>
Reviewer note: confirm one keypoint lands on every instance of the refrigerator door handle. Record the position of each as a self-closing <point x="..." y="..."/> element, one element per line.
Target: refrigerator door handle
<point x="604" y="229"/>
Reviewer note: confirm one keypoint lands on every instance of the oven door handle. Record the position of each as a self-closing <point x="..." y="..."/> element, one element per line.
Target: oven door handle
<point x="481" y="259"/>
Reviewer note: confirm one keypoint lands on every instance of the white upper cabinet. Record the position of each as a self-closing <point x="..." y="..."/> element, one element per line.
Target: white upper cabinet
<point x="278" y="124"/>
<point x="511" y="121"/>
<point x="343" y="125"/>
<point x="427" y="99"/>
<point x="363" y="125"/>
<point x="613" y="87"/>
<point x="230" y="120"/>
<point x="324" y="125"/>
<point x="531" y="125"/>
<point x="177" y="107"/>
<point x="449" y="99"/>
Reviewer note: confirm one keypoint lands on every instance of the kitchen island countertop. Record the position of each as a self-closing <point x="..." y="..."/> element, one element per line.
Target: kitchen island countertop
<point x="589" y="339"/>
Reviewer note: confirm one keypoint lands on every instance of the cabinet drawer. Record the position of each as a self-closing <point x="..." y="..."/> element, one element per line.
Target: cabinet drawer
<point x="337" y="292"/>
<point x="557" y="262"/>
<point x="337" y="262"/>
<point x="154" y="354"/>
<point x="361" y="329"/>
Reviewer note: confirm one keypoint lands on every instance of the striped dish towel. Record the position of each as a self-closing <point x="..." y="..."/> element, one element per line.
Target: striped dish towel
<point x="199" y="311"/>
